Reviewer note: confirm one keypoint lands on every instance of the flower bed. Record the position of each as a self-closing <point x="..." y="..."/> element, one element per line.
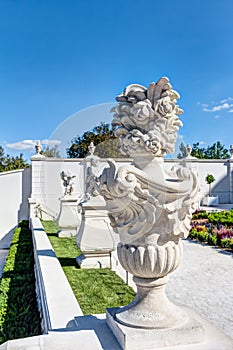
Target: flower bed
<point x="214" y="228"/>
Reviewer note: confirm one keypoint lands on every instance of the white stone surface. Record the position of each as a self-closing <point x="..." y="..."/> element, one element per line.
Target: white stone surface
<point x="15" y="187"/>
<point x="47" y="187"/>
<point x="95" y="236"/>
<point x="149" y="208"/>
<point x="195" y="334"/>
<point x="58" y="305"/>
<point x="69" y="218"/>
<point x="210" y="201"/>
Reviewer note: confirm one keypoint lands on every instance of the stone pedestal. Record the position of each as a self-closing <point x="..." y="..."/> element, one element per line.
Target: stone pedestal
<point x="68" y="218"/>
<point x="95" y="237"/>
<point x="194" y="334"/>
<point x="210" y="201"/>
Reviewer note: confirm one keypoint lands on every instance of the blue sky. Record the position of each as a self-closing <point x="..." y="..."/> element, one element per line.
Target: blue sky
<point x="58" y="58"/>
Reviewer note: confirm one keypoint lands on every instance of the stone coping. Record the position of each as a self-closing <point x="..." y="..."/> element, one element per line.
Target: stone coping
<point x="57" y="303"/>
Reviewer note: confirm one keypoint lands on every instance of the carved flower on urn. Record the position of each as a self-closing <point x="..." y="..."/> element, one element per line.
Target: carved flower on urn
<point x="142" y="112"/>
<point x="132" y="94"/>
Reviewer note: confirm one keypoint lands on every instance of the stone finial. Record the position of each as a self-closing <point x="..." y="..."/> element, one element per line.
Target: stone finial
<point x="188" y="150"/>
<point x="91" y="157"/>
<point x="91" y="149"/>
<point x="38" y="148"/>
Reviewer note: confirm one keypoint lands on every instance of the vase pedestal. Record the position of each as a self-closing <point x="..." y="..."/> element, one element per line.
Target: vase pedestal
<point x="195" y="334"/>
<point x="94" y="237"/>
<point x="68" y="218"/>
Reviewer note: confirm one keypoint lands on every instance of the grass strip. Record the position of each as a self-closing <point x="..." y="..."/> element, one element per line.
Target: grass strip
<point x="19" y="316"/>
<point x="95" y="289"/>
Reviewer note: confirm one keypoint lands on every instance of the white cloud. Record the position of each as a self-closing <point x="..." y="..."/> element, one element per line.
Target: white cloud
<point x="218" y="107"/>
<point x="217" y="116"/>
<point x="202" y="143"/>
<point x="30" y="144"/>
<point x="226" y="99"/>
<point x="22" y="145"/>
<point x="50" y="142"/>
<point x="230" y="111"/>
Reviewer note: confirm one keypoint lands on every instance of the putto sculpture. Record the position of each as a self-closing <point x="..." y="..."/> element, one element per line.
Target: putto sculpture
<point x="149" y="208"/>
<point x="68" y="182"/>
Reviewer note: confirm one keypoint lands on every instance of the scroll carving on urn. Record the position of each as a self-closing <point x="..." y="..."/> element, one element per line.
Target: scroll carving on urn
<point x="149" y="208"/>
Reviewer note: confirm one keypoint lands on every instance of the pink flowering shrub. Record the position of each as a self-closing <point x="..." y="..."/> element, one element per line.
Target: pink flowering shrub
<point x="209" y="228"/>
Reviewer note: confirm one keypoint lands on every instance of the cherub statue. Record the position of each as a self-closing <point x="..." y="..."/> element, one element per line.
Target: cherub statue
<point x="68" y="182"/>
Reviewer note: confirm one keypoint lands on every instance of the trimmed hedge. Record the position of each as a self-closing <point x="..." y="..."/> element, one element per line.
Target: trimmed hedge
<point x="19" y="316"/>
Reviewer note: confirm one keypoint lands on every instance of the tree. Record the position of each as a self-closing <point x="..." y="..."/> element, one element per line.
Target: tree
<point x="8" y="162"/>
<point x="51" y="152"/>
<point x="216" y="151"/>
<point x="103" y="138"/>
<point x="209" y="179"/>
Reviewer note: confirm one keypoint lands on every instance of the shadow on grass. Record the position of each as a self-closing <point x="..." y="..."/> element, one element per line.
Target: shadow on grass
<point x="68" y="262"/>
<point x="18" y="307"/>
<point x="51" y="234"/>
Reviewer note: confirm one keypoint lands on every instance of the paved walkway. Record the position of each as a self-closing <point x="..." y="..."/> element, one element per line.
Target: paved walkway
<point x="204" y="282"/>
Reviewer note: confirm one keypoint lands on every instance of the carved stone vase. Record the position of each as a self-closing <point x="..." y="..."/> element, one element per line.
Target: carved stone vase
<point x="149" y="208"/>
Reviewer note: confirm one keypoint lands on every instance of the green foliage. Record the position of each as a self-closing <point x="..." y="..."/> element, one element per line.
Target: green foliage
<point x="223" y="217"/>
<point x="95" y="289"/>
<point x="18" y="307"/>
<point x="212" y="239"/>
<point x="201" y="214"/>
<point x="227" y="243"/>
<point x="51" y="152"/>
<point x="8" y="162"/>
<point x="209" y="179"/>
<point x="103" y="138"/>
<point x="216" y="151"/>
<point x="215" y="228"/>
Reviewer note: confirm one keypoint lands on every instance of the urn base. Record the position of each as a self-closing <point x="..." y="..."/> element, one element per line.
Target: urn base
<point x="132" y="338"/>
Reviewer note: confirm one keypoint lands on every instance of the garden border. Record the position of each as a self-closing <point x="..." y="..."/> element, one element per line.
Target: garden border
<point x="58" y="306"/>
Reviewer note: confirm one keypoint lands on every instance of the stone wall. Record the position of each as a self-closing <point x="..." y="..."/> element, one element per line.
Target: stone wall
<point x="47" y="186"/>
<point x="43" y="183"/>
<point x="15" y="188"/>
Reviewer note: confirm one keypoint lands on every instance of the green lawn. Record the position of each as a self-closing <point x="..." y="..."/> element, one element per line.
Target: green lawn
<point x="95" y="289"/>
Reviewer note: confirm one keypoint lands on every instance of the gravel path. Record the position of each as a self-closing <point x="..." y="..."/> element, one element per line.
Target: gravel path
<point x="204" y="282"/>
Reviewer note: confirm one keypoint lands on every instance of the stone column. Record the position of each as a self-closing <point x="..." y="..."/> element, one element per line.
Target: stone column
<point x="37" y="180"/>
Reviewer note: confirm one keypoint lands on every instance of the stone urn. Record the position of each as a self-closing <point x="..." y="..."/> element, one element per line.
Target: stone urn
<point x="150" y="209"/>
